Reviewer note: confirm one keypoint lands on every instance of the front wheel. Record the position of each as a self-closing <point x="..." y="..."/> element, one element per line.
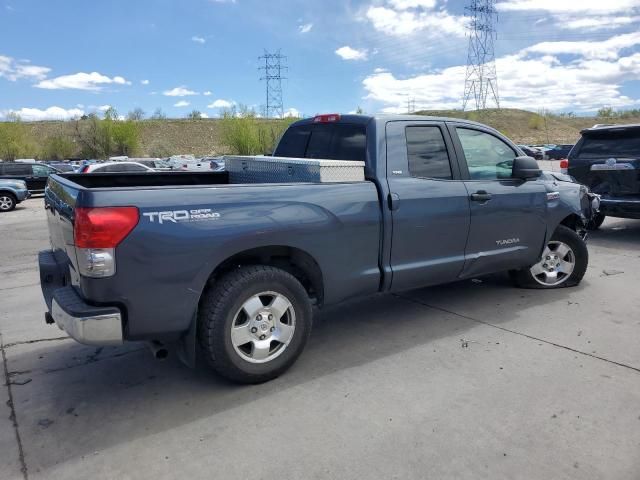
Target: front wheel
<point x="7" y="202"/>
<point x="563" y="263"/>
<point x="254" y="323"/>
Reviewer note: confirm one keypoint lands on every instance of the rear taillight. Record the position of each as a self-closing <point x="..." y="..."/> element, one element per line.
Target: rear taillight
<point x="84" y="169"/>
<point x="97" y="232"/>
<point x="326" y="118"/>
<point x="103" y="227"/>
<point x="564" y="165"/>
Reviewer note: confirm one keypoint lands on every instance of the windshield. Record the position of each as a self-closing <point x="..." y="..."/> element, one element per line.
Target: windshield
<point x="613" y="144"/>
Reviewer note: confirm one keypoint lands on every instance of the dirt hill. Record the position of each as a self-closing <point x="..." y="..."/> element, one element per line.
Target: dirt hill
<point x="202" y="137"/>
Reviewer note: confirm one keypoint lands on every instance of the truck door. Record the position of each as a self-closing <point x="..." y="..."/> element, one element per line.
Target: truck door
<point x="508" y="225"/>
<point x="428" y="202"/>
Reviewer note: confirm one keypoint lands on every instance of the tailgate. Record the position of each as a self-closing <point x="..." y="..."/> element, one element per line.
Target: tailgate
<point x="612" y="176"/>
<point x="59" y="202"/>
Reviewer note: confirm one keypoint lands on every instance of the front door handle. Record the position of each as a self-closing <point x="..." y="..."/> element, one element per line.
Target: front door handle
<point x="480" y="196"/>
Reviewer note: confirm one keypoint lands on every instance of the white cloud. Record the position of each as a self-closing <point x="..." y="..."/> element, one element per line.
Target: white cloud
<point x="305" y="28"/>
<point x="560" y="6"/>
<point x="14" y="70"/>
<point x="203" y="115"/>
<point x="197" y="39"/>
<point x="181" y="103"/>
<point x="180" y="91"/>
<point x="407" y="4"/>
<point x="527" y="79"/>
<point x="144" y="82"/>
<point x="598" y="23"/>
<point x="292" y="112"/>
<point x="607" y="49"/>
<point x="103" y="108"/>
<point x="207" y="93"/>
<point x="221" y="103"/>
<point x="348" y="53"/>
<point x="51" y="113"/>
<point x="405" y="17"/>
<point x="81" y="81"/>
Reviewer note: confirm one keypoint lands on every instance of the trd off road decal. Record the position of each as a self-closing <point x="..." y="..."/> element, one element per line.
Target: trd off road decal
<point x="182" y="216"/>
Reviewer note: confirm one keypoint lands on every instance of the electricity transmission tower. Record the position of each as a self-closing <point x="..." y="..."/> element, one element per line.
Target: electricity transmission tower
<point x="411" y="105"/>
<point x="481" y="79"/>
<point x="272" y="74"/>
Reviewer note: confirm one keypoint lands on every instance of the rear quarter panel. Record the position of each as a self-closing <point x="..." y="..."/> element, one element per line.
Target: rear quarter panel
<point x="162" y="268"/>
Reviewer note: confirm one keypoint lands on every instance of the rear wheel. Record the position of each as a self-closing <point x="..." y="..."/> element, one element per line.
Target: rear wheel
<point x="254" y="323"/>
<point x="563" y="263"/>
<point x="7" y="202"/>
<point x="596" y="221"/>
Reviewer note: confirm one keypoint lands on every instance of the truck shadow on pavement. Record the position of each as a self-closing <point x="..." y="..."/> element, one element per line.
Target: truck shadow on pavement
<point x="81" y="401"/>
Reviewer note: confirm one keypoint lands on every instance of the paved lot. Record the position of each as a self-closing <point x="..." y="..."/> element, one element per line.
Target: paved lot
<point x="471" y="380"/>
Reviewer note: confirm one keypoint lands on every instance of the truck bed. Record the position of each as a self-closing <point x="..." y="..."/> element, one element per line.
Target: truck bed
<point x="146" y="179"/>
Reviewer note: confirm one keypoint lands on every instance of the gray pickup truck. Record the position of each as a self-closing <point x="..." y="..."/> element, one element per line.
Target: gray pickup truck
<point x="232" y="272"/>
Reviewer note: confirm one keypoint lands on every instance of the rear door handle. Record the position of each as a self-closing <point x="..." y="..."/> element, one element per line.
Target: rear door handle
<point x="480" y="196"/>
<point x="393" y="199"/>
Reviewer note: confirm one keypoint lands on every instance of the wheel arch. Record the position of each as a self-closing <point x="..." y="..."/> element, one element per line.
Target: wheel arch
<point x="293" y="260"/>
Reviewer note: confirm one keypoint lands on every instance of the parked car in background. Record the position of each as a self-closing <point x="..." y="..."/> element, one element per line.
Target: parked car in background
<point x="34" y="174"/>
<point x="188" y="163"/>
<point x="607" y="160"/>
<point x="531" y="151"/>
<point x="115" y="167"/>
<point x="559" y="152"/>
<point x="12" y="192"/>
<point x="217" y="164"/>
<point x="62" y="167"/>
<point x="157" y="164"/>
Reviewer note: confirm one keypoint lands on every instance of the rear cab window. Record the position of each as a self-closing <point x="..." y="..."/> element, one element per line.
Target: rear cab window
<point x="336" y="141"/>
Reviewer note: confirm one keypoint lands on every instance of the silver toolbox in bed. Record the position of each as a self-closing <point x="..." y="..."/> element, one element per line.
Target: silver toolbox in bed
<point x="262" y="169"/>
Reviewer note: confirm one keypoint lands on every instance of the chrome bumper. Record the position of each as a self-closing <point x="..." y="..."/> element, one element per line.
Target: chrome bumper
<point x="91" y="330"/>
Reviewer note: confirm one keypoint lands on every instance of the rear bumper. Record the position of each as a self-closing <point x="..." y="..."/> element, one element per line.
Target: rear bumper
<point x="84" y="323"/>
<point x="620" y="207"/>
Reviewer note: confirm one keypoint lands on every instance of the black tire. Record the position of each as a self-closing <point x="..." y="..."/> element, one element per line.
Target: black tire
<point x="7" y="201"/>
<point x="525" y="279"/>
<point x="596" y="221"/>
<point x="217" y="313"/>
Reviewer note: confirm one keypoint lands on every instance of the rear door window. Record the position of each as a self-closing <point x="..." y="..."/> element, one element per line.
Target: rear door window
<point x="340" y="141"/>
<point x="427" y="153"/>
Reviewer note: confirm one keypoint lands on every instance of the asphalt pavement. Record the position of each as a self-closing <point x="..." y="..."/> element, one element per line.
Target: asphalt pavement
<point x="471" y="380"/>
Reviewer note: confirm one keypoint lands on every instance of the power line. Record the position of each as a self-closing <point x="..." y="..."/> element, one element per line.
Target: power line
<point x="481" y="78"/>
<point x="272" y="74"/>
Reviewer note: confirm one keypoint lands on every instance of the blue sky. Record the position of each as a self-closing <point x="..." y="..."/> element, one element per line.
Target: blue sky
<point x="61" y="58"/>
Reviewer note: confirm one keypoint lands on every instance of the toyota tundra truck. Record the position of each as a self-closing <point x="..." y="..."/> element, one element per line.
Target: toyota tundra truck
<point x="231" y="272"/>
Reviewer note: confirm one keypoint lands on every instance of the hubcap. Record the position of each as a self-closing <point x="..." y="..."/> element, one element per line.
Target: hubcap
<point x="5" y="203"/>
<point x="263" y="327"/>
<point x="556" y="265"/>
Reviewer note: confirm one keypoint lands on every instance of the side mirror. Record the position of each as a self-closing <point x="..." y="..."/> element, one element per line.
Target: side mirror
<point x="525" y="168"/>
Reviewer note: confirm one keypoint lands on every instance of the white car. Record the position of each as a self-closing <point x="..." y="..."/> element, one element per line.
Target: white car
<point x="115" y="167"/>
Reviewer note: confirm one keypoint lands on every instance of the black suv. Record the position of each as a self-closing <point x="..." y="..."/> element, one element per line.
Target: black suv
<point x="559" y="152"/>
<point x="607" y="160"/>
<point x="35" y="174"/>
